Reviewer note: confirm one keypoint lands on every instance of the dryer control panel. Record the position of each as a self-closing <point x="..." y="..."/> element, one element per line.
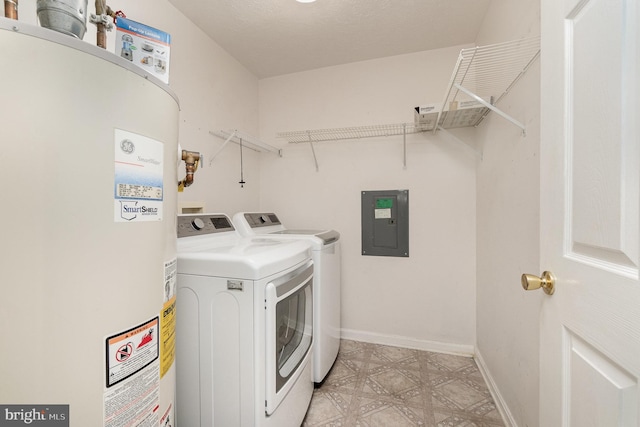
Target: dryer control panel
<point x="261" y="219"/>
<point x="201" y="224"/>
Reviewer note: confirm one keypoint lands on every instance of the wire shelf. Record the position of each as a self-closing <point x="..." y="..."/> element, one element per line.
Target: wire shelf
<point x="357" y="132"/>
<point x="486" y="74"/>
<point x="482" y="76"/>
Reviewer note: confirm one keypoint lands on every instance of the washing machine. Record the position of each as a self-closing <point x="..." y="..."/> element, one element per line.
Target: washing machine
<point x="325" y="250"/>
<point x="244" y="327"/>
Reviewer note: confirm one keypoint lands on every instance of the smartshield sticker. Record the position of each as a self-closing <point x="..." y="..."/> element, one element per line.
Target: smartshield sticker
<point x="138" y="185"/>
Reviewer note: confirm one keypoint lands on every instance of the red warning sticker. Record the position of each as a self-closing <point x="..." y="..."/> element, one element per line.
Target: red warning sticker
<point x="131" y="351"/>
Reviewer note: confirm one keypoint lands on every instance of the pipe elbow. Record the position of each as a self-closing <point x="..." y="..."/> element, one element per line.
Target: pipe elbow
<point x="191" y="160"/>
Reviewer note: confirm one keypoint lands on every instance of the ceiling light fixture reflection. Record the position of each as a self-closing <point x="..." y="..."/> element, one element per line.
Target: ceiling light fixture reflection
<point x="305" y="1"/>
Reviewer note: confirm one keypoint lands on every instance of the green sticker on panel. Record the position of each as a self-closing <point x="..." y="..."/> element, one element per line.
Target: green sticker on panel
<point x="384" y="203"/>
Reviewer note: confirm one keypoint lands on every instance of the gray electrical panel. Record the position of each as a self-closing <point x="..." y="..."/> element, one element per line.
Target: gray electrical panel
<point x="385" y="223"/>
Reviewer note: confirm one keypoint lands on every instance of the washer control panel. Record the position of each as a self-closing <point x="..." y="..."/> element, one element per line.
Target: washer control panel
<point x="202" y="224"/>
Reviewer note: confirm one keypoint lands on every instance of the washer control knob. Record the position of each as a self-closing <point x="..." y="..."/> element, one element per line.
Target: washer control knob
<point x="198" y="224"/>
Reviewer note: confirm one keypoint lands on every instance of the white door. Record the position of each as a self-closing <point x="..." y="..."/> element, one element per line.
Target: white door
<point x="590" y="326"/>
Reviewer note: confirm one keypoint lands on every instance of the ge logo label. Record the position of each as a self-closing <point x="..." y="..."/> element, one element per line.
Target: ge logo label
<point x="127" y="146"/>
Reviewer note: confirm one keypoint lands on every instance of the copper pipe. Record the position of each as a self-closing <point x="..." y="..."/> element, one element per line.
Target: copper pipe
<point x="102" y="11"/>
<point x="191" y="159"/>
<point x="11" y="9"/>
<point x="101" y="36"/>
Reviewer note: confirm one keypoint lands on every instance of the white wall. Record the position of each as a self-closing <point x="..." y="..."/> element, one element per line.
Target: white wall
<point x="215" y="92"/>
<point x="508" y="226"/>
<point x="428" y="299"/>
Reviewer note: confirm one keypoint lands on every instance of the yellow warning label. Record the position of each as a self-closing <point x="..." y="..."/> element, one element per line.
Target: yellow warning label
<point x="167" y="336"/>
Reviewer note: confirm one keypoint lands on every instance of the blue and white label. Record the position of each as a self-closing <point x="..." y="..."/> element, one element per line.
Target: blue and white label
<point x="143" y="30"/>
<point x="146" y="47"/>
<point x="138" y="185"/>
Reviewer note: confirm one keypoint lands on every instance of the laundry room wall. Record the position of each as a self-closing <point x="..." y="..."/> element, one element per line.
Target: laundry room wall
<point x="215" y="92"/>
<point x="428" y="299"/>
<point x="508" y="208"/>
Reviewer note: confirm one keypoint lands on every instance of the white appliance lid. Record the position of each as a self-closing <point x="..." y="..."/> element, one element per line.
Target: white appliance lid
<point x="250" y="258"/>
<point x="208" y="245"/>
<point x="259" y="223"/>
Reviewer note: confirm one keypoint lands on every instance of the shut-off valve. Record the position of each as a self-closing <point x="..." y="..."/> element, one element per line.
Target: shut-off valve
<point x="191" y="160"/>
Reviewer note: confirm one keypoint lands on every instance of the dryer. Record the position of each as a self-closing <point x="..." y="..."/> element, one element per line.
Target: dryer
<point x="244" y="333"/>
<point x="325" y="250"/>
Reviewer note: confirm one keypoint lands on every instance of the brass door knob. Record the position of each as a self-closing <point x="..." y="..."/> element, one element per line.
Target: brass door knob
<point x="546" y="282"/>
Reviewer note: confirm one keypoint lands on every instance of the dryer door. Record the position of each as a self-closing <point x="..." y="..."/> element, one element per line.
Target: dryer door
<point x="289" y="334"/>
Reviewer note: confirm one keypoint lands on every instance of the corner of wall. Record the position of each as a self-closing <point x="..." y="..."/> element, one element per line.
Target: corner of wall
<point x="499" y="401"/>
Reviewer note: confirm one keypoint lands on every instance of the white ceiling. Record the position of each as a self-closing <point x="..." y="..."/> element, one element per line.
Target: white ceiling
<point x="274" y="37"/>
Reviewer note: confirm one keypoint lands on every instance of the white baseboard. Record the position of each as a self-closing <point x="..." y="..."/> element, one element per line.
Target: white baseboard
<point x="400" y="341"/>
<point x="501" y="405"/>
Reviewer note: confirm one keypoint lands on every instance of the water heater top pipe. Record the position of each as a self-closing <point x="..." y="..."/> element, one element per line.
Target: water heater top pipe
<point x="11" y="9"/>
<point x="102" y="11"/>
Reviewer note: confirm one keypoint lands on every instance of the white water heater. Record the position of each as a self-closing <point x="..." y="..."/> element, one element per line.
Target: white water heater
<point x="88" y="158"/>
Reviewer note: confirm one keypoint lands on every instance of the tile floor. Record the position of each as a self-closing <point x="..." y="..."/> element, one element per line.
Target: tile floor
<point x="382" y="386"/>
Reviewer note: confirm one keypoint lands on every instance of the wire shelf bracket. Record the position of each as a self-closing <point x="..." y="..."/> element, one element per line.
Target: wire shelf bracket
<point x="492" y="108"/>
<point x="244" y="140"/>
<point x="315" y="159"/>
